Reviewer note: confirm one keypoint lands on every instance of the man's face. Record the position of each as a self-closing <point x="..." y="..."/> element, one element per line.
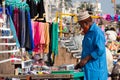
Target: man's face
<point x="84" y="26"/>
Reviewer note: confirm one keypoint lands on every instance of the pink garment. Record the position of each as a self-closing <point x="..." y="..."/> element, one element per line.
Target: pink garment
<point x="42" y="32"/>
<point x="42" y="37"/>
<point x="39" y="39"/>
<point x="36" y="34"/>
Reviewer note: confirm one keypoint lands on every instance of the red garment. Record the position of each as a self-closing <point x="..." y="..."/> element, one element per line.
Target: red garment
<point x="16" y="21"/>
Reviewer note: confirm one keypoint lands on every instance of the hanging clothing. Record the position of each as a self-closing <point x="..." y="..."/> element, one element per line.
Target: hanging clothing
<point x="42" y="32"/>
<point x="42" y="37"/>
<point x="36" y="36"/>
<point x="33" y="8"/>
<point x="55" y="38"/>
<point x="16" y="20"/>
<point x="39" y="38"/>
<point x="22" y="21"/>
<point x="47" y="38"/>
<point x="10" y="9"/>
<point x="20" y="26"/>
<point x="9" y="23"/>
<point x="50" y="58"/>
<point x="29" y="43"/>
<point x="14" y="32"/>
<point x="37" y="10"/>
<point x="31" y="32"/>
<point x="53" y="44"/>
<point x="41" y="9"/>
<point x="94" y="45"/>
<point x="23" y="29"/>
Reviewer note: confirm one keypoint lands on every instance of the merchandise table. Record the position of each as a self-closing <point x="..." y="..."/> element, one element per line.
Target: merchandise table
<point x="73" y="76"/>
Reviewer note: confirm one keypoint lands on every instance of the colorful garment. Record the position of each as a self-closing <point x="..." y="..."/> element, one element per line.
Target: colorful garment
<point x="55" y="38"/>
<point x="47" y="38"/>
<point x="29" y="44"/>
<point x="36" y="36"/>
<point x="39" y="39"/>
<point x="16" y="21"/>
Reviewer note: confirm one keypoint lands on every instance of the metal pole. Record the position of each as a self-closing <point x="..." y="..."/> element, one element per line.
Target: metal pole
<point x="97" y="6"/>
<point x="114" y="6"/>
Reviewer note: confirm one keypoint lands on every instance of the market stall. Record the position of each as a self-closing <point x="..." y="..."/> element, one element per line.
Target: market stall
<point x="30" y="45"/>
<point x="32" y="48"/>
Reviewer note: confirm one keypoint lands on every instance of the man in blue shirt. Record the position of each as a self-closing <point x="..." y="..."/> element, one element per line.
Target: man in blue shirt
<point x="93" y="58"/>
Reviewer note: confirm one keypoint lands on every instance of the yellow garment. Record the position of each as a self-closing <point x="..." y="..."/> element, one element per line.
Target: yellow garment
<point x="47" y="38"/>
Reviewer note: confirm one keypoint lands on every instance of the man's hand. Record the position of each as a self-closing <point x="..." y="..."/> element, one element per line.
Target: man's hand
<point x="77" y="66"/>
<point x="83" y="62"/>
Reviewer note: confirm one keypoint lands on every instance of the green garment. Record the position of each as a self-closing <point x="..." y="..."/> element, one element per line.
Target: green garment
<point x="54" y="38"/>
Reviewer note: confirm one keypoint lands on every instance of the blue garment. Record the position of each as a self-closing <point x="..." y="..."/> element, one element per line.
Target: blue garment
<point x="10" y="8"/>
<point x="94" y="44"/>
<point x="29" y="44"/>
<point x="31" y="33"/>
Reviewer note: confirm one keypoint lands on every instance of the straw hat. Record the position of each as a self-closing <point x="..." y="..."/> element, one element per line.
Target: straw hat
<point x="83" y="15"/>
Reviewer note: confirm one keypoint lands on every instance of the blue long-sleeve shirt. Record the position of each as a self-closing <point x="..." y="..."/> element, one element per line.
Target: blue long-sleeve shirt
<point x="94" y="45"/>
